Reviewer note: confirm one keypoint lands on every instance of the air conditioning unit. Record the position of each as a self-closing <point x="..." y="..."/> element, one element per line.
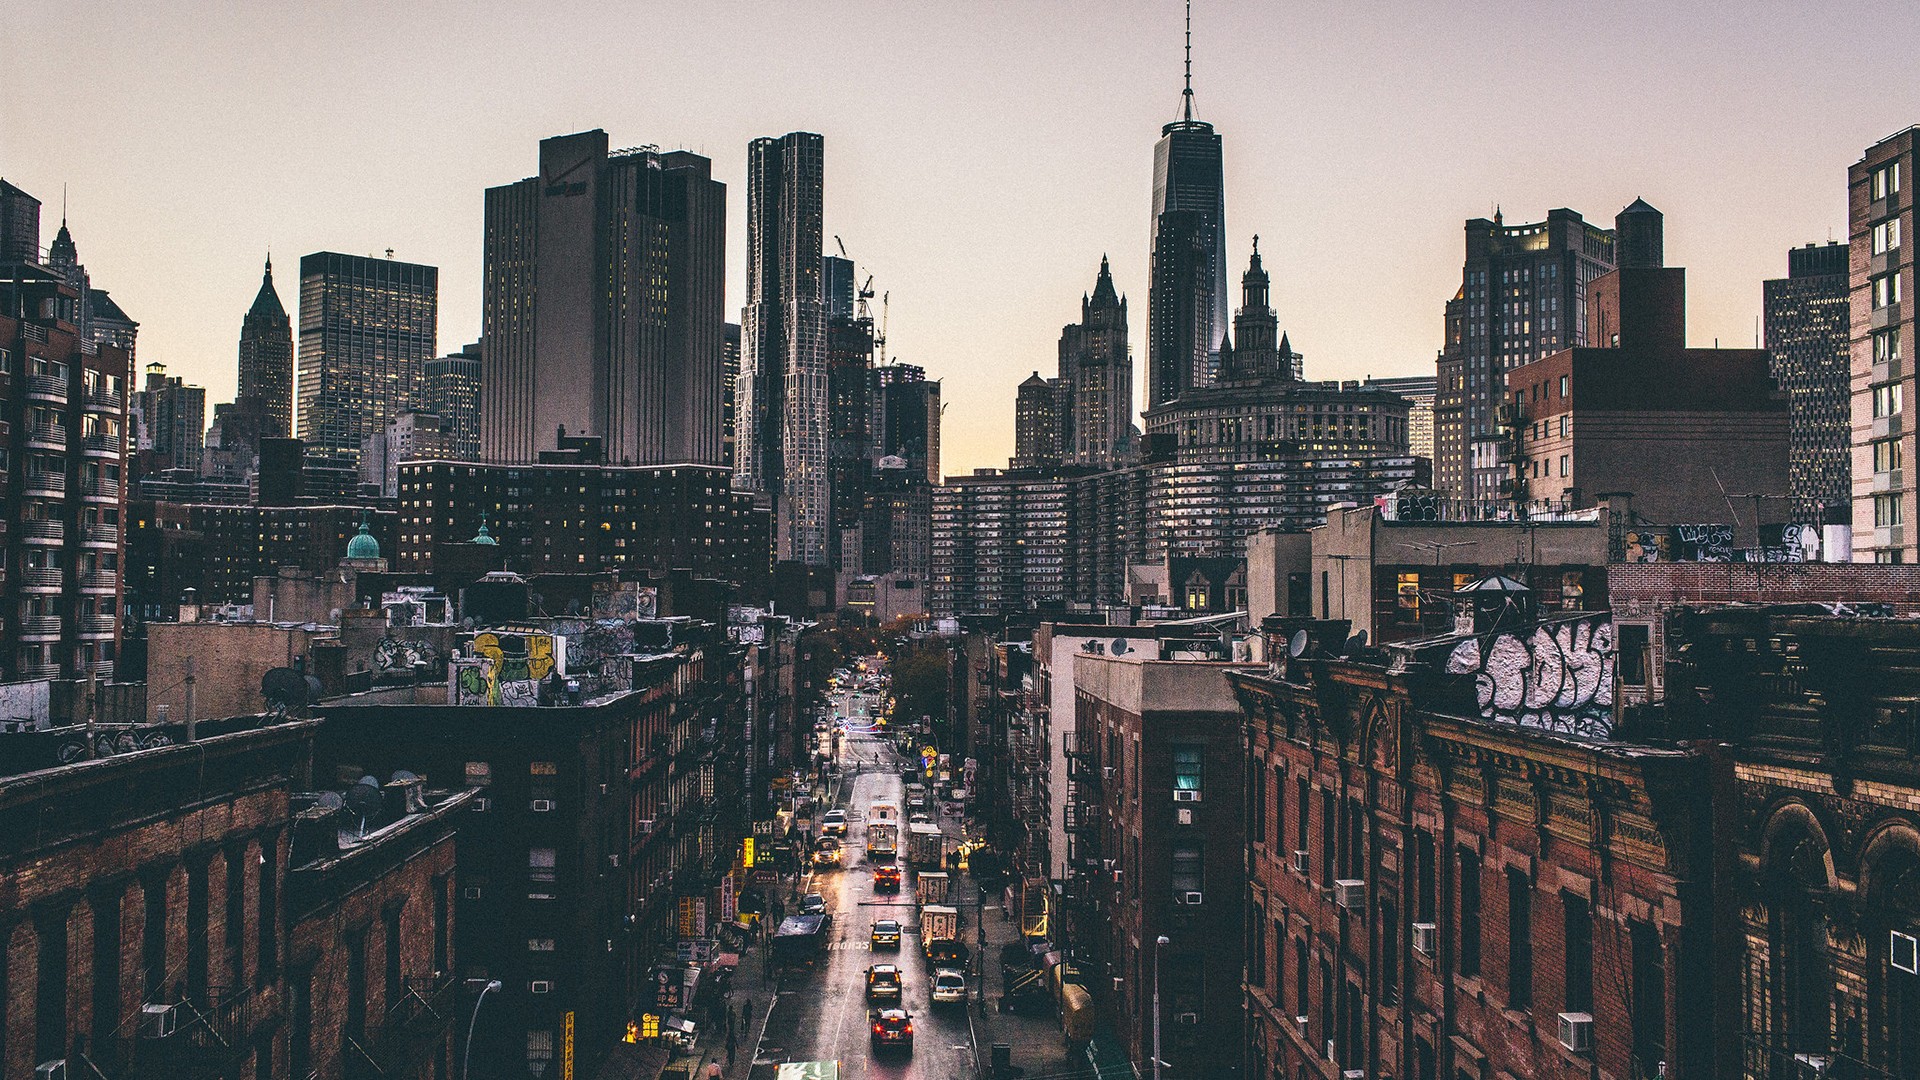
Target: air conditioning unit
<point x="471" y="892"/>
<point x="1184" y="795"/>
<point x="1193" y="897"/>
<point x="1425" y="934"/>
<point x="1904" y="953"/>
<point x="158" y="1021"/>
<point x="643" y="826"/>
<point x="1302" y="1021"/>
<point x="1186" y="1018"/>
<point x="541" y="806"/>
<point x="1576" y="1032"/>
<point x="603" y="789"/>
<point x="1353" y="1074"/>
<point x="540" y="986"/>
<point x="1299" y="862"/>
<point x="1184" y="815"/>
<point x="482" y="804"/>
<point x="1350" y="893"/>
<point x="51" y="1070"/>
<point x="1811" y="1066"/>
<point x="613" y="860"/>
<point x="1119" y="984"/>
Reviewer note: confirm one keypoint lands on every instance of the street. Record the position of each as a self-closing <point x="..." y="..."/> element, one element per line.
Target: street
<point x="822" y="1013"/>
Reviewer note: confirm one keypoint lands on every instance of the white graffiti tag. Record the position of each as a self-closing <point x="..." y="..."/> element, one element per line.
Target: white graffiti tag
<point x="1557" y="678"/>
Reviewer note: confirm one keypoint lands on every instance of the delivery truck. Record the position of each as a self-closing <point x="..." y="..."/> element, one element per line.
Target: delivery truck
<point x="883" y="840"/>
<point x="799" y="939"/>
<point x="926" y="845"/>
<point x="938" y="924"/>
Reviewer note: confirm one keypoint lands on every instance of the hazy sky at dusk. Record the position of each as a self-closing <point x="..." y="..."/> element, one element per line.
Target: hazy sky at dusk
<point x="980" y="156"/>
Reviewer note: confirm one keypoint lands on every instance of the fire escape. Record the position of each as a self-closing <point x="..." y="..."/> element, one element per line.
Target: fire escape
<point x="1027" y="715"/>
<point x="405" y="1040"/>
<point x="207" y="1033"/>
<point x="1090" y="871"/>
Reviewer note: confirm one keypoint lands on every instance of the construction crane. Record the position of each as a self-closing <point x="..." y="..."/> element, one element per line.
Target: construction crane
<point x="843" y="247"/>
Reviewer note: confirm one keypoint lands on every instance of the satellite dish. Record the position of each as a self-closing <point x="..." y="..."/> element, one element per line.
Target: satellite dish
<point x="71" y="751"/>
<point x="364" y="801"/>
<point x="333" y="616"/>
<point x="1356" y="642"/>
<point x="367" y="780"/>
<point x="330" y="800"/>
<point x="1119" y="646"/>
<point x="1297" y="644"/>
<point x="284" y="688"/>
<point x="157" y="739"/>
<point x="401" y="776"/>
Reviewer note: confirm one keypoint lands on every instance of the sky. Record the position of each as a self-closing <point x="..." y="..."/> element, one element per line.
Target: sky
<point x="981" y="156"/>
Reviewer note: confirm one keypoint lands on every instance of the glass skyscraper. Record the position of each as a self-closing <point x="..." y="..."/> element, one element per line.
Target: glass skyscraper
<point x="367" y="330"/>
<point x="1187" y="287"/>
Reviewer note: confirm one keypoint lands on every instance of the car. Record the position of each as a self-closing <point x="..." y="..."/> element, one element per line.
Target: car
<point x="813" y="904"/>
<point x="949" y="986"/>
<point x="833" y="823"/>
<point x="886" y="879"/>
<point x="919" y="819"/>
<point x="883" y="983"/>
<point x="893" y="1028"/>
<point x="886" y="934"/>
<point x="826" y="853"/>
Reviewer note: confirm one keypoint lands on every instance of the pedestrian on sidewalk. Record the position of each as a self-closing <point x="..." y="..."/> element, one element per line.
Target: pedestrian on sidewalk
<point x="746" y="1014"/>
<point x="732" y="1045"/>
<point x="713" y="1071"/>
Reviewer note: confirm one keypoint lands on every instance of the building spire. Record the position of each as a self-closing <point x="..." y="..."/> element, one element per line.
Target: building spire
<point x="1186" y="95"/>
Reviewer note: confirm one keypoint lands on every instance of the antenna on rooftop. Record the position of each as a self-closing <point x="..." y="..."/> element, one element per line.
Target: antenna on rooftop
<point x="1186" y="94"/>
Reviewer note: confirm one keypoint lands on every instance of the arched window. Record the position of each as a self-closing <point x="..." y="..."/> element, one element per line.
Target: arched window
<point x="1802" y="981"/>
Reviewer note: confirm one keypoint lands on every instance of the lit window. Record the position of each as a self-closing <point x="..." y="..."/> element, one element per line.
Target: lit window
<point x="1886" y="346"/>
<point x="1886" y="400"/>
<point x="1886" y="236"/>
<point x="1886" y="455"/>
<point x="1886" y="180"/>
<point x="1887" y="511"/>
<point x="1186" y="768"/>
<point x="1886" y="290"/>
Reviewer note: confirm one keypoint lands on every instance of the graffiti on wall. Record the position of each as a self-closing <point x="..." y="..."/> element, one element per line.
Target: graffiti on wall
<point x="1703" y="543"/>
<point x="1556" y="677"/>
<point x="470" y="681"/>
<point x="396" y="655"/>
<point x="1646" y="546"/>
<point x="513" y="666"/>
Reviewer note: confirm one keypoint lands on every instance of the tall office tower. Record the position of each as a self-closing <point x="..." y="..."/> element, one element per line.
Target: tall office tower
<point x="1523" y="295"/>
<point x="1096" y="380"/>
<point x="169" y="418"/>
<point x="1806" y="339"/>
<point x="603" y="305"/>
<point x="266" y="361"/>
<point x="836" y="286"/>
<point x="1187" y="288"/>
<point x="729" y="391"/>
<point x="1418" y="390"/>
<point x="783" y="383"/>
<point x="367" y="330"/>
<point x="1882" y="339"/>
<point x="101" y="321"/>
<point x="849" y="412"/>
<point x="19" y="226"/>
<point x="1036" y="424"/>
<point x="907" y="417"/>
<point x="1258" y="351"/>
<point x="453" y="393"/>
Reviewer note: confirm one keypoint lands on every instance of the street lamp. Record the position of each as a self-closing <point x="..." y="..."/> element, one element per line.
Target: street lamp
<point x="466" y="1059"/>
<point x="1158" y="944"/>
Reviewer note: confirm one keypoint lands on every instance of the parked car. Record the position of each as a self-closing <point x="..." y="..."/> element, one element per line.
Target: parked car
<point x="886" y="934"/>
<point x="883" y="983"/>
<point x="893" y="1028"/>
<point x="949" y="986"/>
<point x="813" y="904"/>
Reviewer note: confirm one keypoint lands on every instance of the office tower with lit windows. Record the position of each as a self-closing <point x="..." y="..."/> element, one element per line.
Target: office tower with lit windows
<point x="453" y="394"/>
<point x="367" y="330"/>
<point x="1806" y="337"/>
<point x="1036" y="424"/>
<point x="1522" y="296"/>
<point x="1882" y="332"/>
<point x="603" y="307"/>
<point x="266" y="361"/>
<point x="1187" y="287"/>
<point x="1096" y="380"/>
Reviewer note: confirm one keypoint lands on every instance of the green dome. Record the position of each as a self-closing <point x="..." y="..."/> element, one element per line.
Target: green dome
<point x="484" y="537"/>
<point x="363" y="545"/>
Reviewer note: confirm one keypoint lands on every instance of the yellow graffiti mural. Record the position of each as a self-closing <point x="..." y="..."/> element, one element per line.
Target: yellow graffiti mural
<point x="514" y="659"/>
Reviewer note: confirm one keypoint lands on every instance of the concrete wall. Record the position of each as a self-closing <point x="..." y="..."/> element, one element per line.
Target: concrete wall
<point x="227" y="660"/>
<point x="1271" y="557"/>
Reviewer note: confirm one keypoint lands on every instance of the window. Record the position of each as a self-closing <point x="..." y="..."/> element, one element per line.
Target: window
<point x="1886" y="346"/>
<point x="1564" y="379"/>
<point x="300" y="1021"/>
<point x="1519" y="940"/>
<point x="1635" y="645"/>
<point x="1300" y="821"/>
<point x="1886" y="455"/>
<point x="1423" y="876"/>
<point x="1886" y="398"/>
<point x="1256" y="946"/>
<point x="1579" y="952"/>
<point x="1300" y="977"/>
<point x="1279" y="810"/>
<point x="153" y="935"/>
<point x="1886" y="236"/>
<point x="540" y="944"/>
<point x="1469" y="912"/>
<point x="540" y="873"/>
<point x="106" y="969"/>
<point x="1257" y="802"/>
<point x="356" y="1028"/>
<point x="268" y="914"/>
<point x="1886" y="290"/>
<point x="1887" y="511"/>
<point x="1186" y="768"/>
<point x="1407" y="598"/>
<point x="1886" y="181"/>
<point x="539" y="1052"/>
<point x="1189" y="869"/>
<point x="1563" y="465"/>
<point x="1649" y="993"/>
<point x="1329" y="834"/>
<point x="50" y="987"/>
<point x="1390" y="942"/>
<point x="393" y="957"/>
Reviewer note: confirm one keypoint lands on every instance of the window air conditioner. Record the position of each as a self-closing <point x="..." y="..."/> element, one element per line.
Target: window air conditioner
<point x="1184" y="795"/>
<point x="1811" y="1066"/>
<point x="1904" y="953"/>
<point x="158" y="1021"/>
<point x="1576" y="1032"/>
<point x="541" y="806"/>
<point x="1353" y="1074"/>
<point x="51" y="1070"/>
<point x="1186" y="1018"/>
<point x="1424" y="936"/>
<point x="1350" y="893"/>
<point x="482" y="804"/>
<point x="471" y="892"/>
<point x="1193" y="897"/>
<point x="1302" y="1021"/>
<point x="1119" y="984"/>
<point x="1299" y="862"/>
<point x="540" y="986"/>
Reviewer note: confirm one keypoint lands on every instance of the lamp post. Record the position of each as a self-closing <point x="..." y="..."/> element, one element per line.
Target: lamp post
<point x="466" y="1059"/>
<point x="1158" y="944"/>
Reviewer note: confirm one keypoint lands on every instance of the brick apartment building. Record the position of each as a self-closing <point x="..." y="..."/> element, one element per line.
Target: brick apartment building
<point x="1884" y="337"/>
<point x="1824" y="837"/>
<point x="1472" y="885"/>
<point x="1153" y="813"/>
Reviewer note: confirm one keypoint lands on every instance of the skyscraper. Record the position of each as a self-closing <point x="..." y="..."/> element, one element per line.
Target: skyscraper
<point x="603" y="305"/>
<point x="367" y="330"/>
<point x="1187" y="288"/>
<point x="169" y="418"/>
<point x="729" y="391"/>
<point x="1036" y="424"/>
<point x="1883" y="333"/>
<point x="100" y="320"/>
<point x="1806" y="338"/>
<point x="1522" y="296"/>
<point x="781" y="447"/>
<point x="453" y="393"/>
<point x="906" y="420"/>
<point x="849" y="411"/>
<point x="266" y="361"/>
<point x="1096" y="380"/>
<point x="19" y="226"/>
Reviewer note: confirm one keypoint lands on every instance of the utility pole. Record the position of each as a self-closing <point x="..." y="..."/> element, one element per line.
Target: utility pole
<point x="1159" y="943"/>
